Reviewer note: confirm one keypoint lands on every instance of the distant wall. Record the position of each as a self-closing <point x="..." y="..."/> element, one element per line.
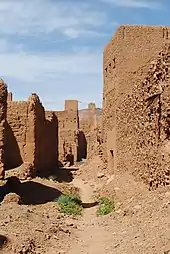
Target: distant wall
<point x="88" y="118"/>
<point x="89" y="124"/>
<point x="68" y="124"/>
<point x="71" y="105"/>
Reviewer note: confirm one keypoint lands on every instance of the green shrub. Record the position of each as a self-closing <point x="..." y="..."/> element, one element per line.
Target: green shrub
<point x="70" y="204"/>
<point x="106" y="206"/>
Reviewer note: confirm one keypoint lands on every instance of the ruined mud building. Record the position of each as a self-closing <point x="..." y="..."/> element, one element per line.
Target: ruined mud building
<point x="44" y="139"/>
<point x="29" y="134"/>
<point x="136" y="103"/>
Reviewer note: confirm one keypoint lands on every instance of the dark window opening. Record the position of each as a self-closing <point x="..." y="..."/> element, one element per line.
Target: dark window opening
<point x="111" y="152"/>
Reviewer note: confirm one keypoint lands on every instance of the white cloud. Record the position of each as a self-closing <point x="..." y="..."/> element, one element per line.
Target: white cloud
<point x="36" y="17"/>
<point x="148" y="4"/>
<point x="33" y="68"/>
<point x="76" y="33"/>
<point x="54" y="76"/>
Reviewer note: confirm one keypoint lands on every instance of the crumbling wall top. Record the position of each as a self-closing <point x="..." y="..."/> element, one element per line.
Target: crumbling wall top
<point x="34" y="98"/>
<point x="3" y="91"/>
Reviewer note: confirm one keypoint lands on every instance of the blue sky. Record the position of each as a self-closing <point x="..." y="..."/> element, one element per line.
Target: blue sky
<point x="54" y="47"/>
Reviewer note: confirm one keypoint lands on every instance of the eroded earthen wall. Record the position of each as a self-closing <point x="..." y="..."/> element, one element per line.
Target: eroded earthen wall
<point x="16" y="134"/>
<point x="89" y="120"/>
<point x="136" y="102"/>
<point x="30" y="137"/>
<point x="3" y="111"/>
<point x="50" y="143"/>
<point x="68" y="124"/>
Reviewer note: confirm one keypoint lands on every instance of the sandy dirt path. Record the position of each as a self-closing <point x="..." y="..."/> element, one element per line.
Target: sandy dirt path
<point x="92" y="235"/>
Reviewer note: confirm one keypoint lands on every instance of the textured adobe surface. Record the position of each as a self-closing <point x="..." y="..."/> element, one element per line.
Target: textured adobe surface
<point x="3" y="110"/>
<point x="68" y="124"/>
<point x="136" y="102"/>
<point x="41" y="138"/>
<point x="29" y="135"/>
<point x="90" y="123"/>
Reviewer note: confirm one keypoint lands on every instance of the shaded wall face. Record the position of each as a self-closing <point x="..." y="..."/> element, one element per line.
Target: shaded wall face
<point x="128" y="61"/>
<point x="47" y="141"/>
<point x="82" y="145"/>
<point x="15" y="134"/>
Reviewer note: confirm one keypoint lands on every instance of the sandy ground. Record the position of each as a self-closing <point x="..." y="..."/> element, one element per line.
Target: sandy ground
<point x="139" y="224"/>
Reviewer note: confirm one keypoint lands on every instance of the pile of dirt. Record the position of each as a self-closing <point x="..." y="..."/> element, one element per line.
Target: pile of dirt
<point x="12" y="198"/>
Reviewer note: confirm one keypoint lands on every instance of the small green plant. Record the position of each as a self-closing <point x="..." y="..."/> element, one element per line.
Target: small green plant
<point x="106" y="206"/>
<point x="70" y="204"/>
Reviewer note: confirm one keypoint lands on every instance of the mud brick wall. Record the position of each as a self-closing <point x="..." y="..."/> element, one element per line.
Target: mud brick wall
<point x="46" y="140"/>
<point x="3" y="111"/>
<point x="88" y="119"/>
<point x="93" y="143"/>
<point x="29" y="135"/>
<point x="89" y="123"/>
<point x="50" y="141"/>
<point x="16" y="134"/>
<point x="135" y="120"/>
<point x="68" y="124"/>
<point x="46" y="137"/>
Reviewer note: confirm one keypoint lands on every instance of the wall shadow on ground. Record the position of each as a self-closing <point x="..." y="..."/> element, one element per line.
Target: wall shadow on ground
<point x="64" y="175"/>
<point x="13" y="157"/>
<point x="59" y="174"/>
<point x="31" y="193"/>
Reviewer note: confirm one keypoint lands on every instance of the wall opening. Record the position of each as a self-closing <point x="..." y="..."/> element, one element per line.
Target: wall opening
<point x="111" y="152"/>
<point x="111" y="161"/>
